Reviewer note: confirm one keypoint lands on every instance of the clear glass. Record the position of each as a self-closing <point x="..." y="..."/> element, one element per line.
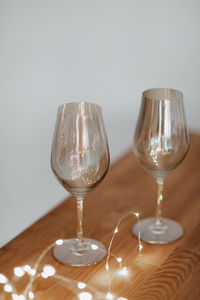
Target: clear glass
<point x="80" y="160"/>
<point x="161" y="142"/>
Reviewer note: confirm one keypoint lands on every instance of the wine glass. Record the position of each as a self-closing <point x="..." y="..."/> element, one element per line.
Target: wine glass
<point x="80" y="160"/>
<point x="161" y="142"/>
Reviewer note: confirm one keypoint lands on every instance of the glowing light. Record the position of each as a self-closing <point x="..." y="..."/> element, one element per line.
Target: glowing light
<point x="136" y="214"/>
<point x="31" y="295"/>
<point x="27" y="268"/>
<point x="59" y="242"/>
<point x="85" y="296"/>
<point x="81" y="285"/>
<point x="94" y="247"/>
<point x="107" y="267"/>
<point x="116" y="230"/>
<point x="32" y="272"/>
<point x="44" y="275"/>
<point x="123" y="272"/>
<point x="49" y="270"/>
<point x="8" y="288"/>
<point x="119" y="259"/>
<point x="109" y="296"/>
<point x="18" y="271"/>
<point x="140" y="247"/>
<point x="3" y="279"/>
<point x="18" y="297"/>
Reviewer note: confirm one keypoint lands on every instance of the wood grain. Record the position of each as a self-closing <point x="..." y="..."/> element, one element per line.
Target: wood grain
<point x="162" y="272"/>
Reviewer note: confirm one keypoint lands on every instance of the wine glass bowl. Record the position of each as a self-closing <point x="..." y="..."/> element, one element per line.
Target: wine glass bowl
<point x="80" y="161"/>
<point x="161" y="142"/>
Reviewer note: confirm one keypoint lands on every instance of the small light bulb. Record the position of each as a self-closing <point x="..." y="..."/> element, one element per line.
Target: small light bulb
<point x="27" y="268"/>
<point x="94" y="247"/>
<point x="85" y="296"/>
<point x="32" y="272"/>
<point x="49" y="270"/>
<point x="18" y="271"/>
<point x="136" y="214"/>
<point x="109" y="296"/>
<point x="119" y="259"/>
<point x="81" y="285"/>
<point x="59" y="242"/>
<point x="31" y="295"/>
<point x="3" y="279"/>
<point x="8" y="288"/>
<point x="44" y="275"/>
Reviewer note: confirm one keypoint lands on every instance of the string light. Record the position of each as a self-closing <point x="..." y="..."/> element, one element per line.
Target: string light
<point x="49" y="271"/>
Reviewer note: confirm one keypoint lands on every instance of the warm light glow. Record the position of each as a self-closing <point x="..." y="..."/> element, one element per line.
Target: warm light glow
<point x="49" y="270"/>
<point x="116" y="230"/>
<point x="119" y="259"/>
<point x="109" y="296"/>
<point x="27" y="268"/>
<point x="136" y="214"/>
<point x="18" y="271"/>
<point x="32" y="272"/>
<point x="8" y="288"/>
<point x="44" y="275"/>
<point x="85" y="296"/>
<point x="59" y="242"/>
<point x="81" y="285"/>
<point x="31" y="295"/>
<point x="3" y="279"/>
<point x="123" y="272"/>
<point x="18" y="297"/>
<point x="140" y="247"/>
<point x="94" y="247"/>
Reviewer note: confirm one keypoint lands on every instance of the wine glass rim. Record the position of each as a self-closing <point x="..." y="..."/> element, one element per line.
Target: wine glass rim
<point x="146" y="93"/>
<point x="79" y="102"/>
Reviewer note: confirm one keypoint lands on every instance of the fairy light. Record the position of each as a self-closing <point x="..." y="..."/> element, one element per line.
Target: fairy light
<point x="27" y="268"/>
<point x="81" y="285"/>
<point x="59" y="242"/>
<point x="31" y="295"/>
<point x="19" y="271"/>
<point x="85" y="296"/>
<point x="8" y="288"/>
<point x="32" y="272"/>
<point x="49" y="271"/>
<point x="109" y="296"/>
<point x="3" y="279"/>
<point x="94" y="247"/>
<point x="119" y="259"/>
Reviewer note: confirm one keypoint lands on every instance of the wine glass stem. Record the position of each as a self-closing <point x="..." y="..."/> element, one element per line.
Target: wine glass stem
<point x="160" y="182"/>
<point x="79" y="219"/>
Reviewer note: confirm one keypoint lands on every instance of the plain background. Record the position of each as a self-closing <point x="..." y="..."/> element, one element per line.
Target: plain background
<point x="102" y="51"/>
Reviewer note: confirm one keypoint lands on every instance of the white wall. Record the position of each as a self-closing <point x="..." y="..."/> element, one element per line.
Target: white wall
<point x="103" y="51"/>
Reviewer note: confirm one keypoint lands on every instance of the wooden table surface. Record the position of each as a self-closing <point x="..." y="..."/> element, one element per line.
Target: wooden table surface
<point x="162" y="272"/>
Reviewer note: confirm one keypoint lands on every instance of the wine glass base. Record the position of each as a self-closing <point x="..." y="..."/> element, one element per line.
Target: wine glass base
<point x="162" y="232"/>
<point x="71" y="253"/>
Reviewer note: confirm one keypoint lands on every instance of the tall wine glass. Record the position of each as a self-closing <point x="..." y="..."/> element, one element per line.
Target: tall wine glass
<point x="161" y="142"/>
<point x="80" y="161"/>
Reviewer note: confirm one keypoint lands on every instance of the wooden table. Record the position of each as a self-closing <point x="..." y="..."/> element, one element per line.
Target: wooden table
<point x="162" y="272"/>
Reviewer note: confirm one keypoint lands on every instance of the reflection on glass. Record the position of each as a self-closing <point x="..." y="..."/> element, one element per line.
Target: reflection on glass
<point x="80" y="161"/>
<point x="161" y="142"/>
